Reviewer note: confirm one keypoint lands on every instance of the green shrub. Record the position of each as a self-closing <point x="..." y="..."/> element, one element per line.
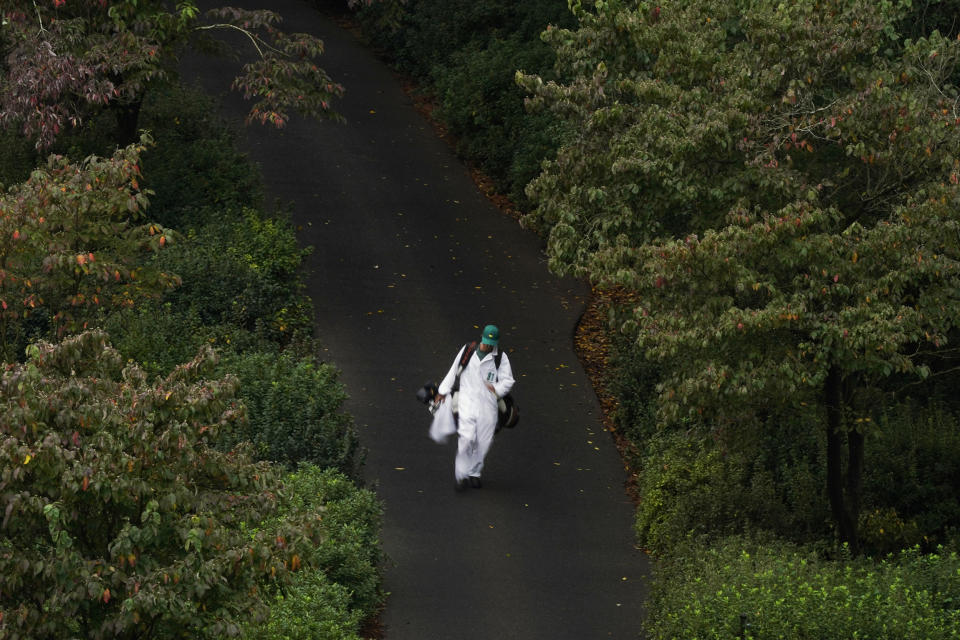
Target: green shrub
<point x="311" y="607"/>
<point x="350" y="554"/>
<point x="787" y="593"/>
<point x="767" y="474"/>
<point x="240" y="291"/>
<point x="484" y="109"/>
<point x="466" y="54"/>
<point x="633" y="381"/>
<point x="294" y="407"/>
<point x="156" y="335"/>
<point x="912" y="471"/>
<point x="883" y="530"/>
<point x="241" y="269"/>
<point x="687" y="487"/>
<point x="272" y="302"/>
<point x="431" y="31"/>
<point x="195" y="166"/>
<point x="339" y="587"/>
<point x="747" y="477"/>
<point x="241" y="288"/>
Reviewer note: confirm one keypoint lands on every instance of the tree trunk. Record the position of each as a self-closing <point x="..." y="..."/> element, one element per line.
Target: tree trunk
<point x="855" y="446"/>
<point x="128" y="122"/>
<point x="844" y="496"/>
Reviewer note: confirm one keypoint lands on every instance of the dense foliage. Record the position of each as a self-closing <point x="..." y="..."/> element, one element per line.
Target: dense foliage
<point x="463" y="55"/>
<point x="239" y="293"/>
<point x="72" y="239"/>
<point x="743" y="589"/>
<point x="120" y="517"/>
<point x="788" y="231"/>
<point x="337" y="596"/>
<point x="295" y="411"/>
<point x="64" y="60"/>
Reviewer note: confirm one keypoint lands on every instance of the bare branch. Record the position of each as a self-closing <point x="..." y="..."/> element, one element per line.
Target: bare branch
<point x="253" y="38"/>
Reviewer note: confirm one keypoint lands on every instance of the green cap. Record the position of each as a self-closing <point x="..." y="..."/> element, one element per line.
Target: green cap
<point x="491" y="335"/>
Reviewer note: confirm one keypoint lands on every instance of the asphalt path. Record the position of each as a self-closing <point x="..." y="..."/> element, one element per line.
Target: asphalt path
<point x="410" y="260"/>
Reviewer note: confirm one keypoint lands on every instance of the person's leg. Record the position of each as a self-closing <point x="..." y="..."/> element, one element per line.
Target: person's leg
<point x="467" y="451"/>
<point x="485" y="432"/>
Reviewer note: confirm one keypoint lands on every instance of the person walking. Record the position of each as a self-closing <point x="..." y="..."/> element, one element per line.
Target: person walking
<point x="480" y="375"/>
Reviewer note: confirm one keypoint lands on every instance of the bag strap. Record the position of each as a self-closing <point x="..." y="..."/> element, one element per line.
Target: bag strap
<point x="468" y="350"/>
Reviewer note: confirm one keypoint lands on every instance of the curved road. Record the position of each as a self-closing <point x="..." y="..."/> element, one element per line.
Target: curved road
<point x="410" y="260"/>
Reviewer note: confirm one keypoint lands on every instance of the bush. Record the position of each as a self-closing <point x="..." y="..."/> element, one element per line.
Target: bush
<point x="195" y="166"/>
<point x="157" y="335"/>
<point x="294" y="407"/>
<point x="633" y="380"/>
<point x="240" y="291"/>
<point x="430" y="31"/>
<point x="755" y="477"/>
<point x="484" y="110"/>
<point x="121" y="519"/>
<point x="788" y="593"/>
<point x="272" y="303"/>
<point x="466" y="54"/>
<point x="912" y="471"/>
<point x="350" y="554"/>
<point x="310" y="608"/>
<point x="714" y="480"/>
<point x="340" y="588"/>
<point x="687" y="488"/>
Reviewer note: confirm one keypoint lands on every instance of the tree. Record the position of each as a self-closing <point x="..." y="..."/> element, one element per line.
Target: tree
<point x="66" y="59"/>
<point x="72" y="242"/>
<point x="776" y="184"/>
<point x="120" y="519"/>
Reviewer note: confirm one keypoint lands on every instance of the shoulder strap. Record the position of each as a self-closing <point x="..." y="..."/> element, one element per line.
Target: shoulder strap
<point x="468" y="350"/>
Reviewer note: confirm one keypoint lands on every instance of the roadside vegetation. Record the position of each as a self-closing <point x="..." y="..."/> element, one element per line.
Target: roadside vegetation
<point x="174" y="456"/>
<point x="765" y="196"/>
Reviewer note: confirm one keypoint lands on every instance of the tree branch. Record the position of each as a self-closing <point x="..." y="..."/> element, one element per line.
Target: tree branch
<point x="39" y="17"/>
<point x="253" y="38"/>
<point x="923" y="380"/>
<point x="937" y="88"/>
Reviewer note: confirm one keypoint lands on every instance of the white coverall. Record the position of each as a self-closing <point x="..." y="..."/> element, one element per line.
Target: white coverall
<point x="477" y="407"/>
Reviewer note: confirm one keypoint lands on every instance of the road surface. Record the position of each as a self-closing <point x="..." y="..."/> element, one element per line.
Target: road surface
<point x="410" y="261"/>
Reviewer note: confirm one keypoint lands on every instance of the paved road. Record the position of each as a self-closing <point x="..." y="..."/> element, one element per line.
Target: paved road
<point x="410" y="261"/>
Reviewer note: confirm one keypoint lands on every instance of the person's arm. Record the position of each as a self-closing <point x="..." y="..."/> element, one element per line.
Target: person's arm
<point x="447" y="383"/>
<point x="505" y="379"/>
